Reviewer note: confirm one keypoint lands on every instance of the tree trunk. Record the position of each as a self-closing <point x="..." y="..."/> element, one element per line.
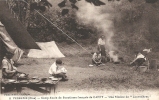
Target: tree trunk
<point x="27" y="13"/>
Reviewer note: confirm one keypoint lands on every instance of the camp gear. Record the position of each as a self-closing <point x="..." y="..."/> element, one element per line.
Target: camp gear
<point x="34" y="80"/>
<point x="143" y="69"/>
<point x="23" y="81"/>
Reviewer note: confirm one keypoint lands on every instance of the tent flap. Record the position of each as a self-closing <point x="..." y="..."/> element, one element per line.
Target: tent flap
<point x="15" y="29"/>
<point x="48" y="50"/>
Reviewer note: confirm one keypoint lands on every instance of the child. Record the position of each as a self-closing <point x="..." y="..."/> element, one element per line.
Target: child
<point x="101" y="46"/>
<point x="139" y="60"/>
<point x="8" y="69"/>
<point x="96" y="58"/>
<point x="58" y="70"/>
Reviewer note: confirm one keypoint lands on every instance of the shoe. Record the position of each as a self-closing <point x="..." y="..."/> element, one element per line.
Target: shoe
<point x="90" y="65"/>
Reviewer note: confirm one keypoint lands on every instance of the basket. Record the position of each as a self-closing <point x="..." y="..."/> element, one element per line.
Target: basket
<point x="143" y="69"/>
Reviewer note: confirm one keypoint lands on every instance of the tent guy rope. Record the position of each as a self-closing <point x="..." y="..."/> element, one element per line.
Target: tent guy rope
<point x="58" y="28"/>
<point x="63" y="31"/>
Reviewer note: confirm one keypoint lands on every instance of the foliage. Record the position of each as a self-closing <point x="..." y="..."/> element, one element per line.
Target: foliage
<point x="134" y="27"/>
<point x="42" y="30"/>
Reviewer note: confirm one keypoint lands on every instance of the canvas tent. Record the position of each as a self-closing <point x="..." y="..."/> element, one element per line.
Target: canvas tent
<point x="22" y="39"/>
<point x="7" y="44"/>
<point x="48" y="50"/>
<point x="15" y="30"/>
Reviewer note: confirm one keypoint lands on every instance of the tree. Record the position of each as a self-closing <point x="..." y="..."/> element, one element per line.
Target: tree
<point x="42" y="30"/>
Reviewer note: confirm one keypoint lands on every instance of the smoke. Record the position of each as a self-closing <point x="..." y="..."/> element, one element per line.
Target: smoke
<point x="100" y="17"/>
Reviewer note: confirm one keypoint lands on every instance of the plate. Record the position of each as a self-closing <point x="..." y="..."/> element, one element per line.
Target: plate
<point x="51" y="77"/>
<point x="10" y="80"/>
<point x="23" y="81"/>
<point x="54" y="79"/>
<point x="35" y="77"/>
<point x="34" y="81"/>
<point x="48" y="81"/>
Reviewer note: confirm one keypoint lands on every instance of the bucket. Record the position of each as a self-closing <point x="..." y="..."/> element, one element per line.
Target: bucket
<point x="143" y="69"/>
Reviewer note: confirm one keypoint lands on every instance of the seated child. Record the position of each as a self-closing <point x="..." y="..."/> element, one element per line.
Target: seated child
<point x="58" y="70"/>
<point x="8" y="69"/>
<point x="96" y="58"/>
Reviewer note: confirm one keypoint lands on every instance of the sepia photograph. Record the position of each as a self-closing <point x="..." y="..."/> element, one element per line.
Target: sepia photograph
<point x="79" y="49"/>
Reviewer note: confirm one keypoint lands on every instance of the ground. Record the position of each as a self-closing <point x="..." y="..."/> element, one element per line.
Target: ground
<point x="83" y="79"/>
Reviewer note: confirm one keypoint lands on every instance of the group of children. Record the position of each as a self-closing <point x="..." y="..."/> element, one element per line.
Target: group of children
<point x="100" y="57"/>
<point x="13" y="55"/>
<point x="9" y="71"/>
<point x="57" y="69"/>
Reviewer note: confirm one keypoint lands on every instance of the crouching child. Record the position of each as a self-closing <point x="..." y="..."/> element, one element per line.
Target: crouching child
<point x="139" y="60"/>
<point x="97" y="58"/>
<point x="58" y="70"/>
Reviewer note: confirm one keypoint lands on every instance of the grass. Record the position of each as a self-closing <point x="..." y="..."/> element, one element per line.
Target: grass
<point x="122" y="78"/>
<point x="116" y="77"/>
<point x="109" y="77"/>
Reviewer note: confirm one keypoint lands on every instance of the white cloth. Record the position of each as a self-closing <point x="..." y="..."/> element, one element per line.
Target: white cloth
<point x="101" y="42"/>
<point x="147" y="50"/>
<point x="140" y="56"/>
<point x="53" y="68"/>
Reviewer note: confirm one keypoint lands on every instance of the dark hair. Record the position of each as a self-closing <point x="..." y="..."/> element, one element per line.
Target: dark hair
<point x="58" y="61"/>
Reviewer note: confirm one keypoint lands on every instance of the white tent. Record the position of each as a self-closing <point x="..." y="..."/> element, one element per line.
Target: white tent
<point x="48" y="50"/>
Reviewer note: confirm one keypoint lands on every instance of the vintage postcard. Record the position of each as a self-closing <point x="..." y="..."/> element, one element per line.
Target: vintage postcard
<point x="79" y="49"/>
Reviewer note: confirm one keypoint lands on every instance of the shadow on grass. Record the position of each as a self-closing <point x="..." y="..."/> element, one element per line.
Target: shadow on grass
<point x="39" y="90"/>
